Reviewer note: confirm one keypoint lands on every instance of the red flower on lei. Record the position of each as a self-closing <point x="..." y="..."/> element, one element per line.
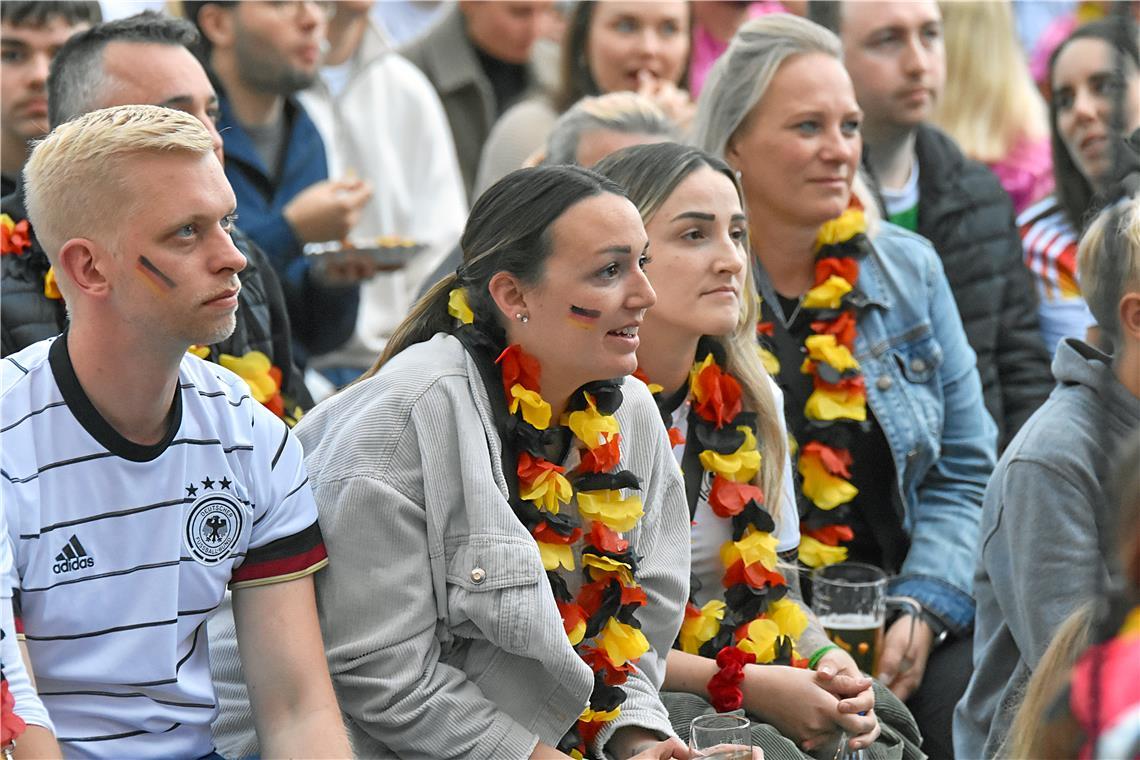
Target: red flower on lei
<point x="15" y="237"/>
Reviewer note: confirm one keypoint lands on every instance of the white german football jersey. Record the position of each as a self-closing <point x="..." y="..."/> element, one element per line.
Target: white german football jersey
<point x="123" y="550"/>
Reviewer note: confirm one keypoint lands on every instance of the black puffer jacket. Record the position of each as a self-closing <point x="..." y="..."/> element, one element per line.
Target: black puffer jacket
<point x="965" y="213"/>
<point x="28" y="316"/>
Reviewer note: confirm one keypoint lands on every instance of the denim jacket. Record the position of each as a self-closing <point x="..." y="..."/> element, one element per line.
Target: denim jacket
<point x="923" y="388"/>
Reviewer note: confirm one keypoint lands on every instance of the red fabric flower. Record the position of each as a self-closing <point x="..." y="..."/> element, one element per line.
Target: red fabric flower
<point x="831" y="535"/>
<point x="519" y="367"/>
<point x="854" y="384"/>
<point x="722" y="396"/>
<point x="531" y="467"/>
<point x="613" y="675"/>
<point x="675" y="437"/>
<point x="15" y="240"/>
<point x="11" y="724"/>
<point x="766" y="328"/>
<point x="842" y="327"/>
<point x="633" y="595"/>
<point x="727" y="498"/>
<point x="607" y="540"/>
<point x="588" y="730"/>
<point x="724" y="687"/>
<point x="755" y="575"/>
<point x="590" y="595"/>
<point x="602" y="458"/>
<point x="835" y="461"/>
<point x="547" y="535"/>
<point x="572" y="615"/>
<point x="845" y="269"/>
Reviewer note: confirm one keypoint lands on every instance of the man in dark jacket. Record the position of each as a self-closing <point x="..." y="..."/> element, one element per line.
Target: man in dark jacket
<point x="99" y="69"/>
<point x="895" y="56"/>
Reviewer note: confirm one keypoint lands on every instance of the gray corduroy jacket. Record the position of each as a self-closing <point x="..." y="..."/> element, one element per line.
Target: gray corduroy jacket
<point x="442" y="635"/>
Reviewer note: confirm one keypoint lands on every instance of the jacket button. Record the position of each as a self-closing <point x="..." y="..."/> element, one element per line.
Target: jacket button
<point x="478" y="575"/>
<point x="918" y="365"/>
<point x="884" y="382"/>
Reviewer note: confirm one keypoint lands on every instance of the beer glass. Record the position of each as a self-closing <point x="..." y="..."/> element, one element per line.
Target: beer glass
<point x="851" y="601"/>
<point x="721" y="736"/>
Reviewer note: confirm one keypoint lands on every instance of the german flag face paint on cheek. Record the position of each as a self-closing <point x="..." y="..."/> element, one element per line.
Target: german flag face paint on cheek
<point x="584" y="318"/>
<point x="154" y="275"/>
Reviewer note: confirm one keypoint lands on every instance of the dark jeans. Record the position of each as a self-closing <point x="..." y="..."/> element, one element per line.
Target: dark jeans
<point x="932" y="704"/>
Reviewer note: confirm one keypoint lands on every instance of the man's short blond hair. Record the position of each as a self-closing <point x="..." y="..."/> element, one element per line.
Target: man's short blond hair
<point x="71" y="179"/>
<point x="1108" y="262"/>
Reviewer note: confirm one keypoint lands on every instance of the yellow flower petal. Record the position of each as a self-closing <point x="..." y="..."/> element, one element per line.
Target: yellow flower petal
<point x="606" y="565"/>
<point x="828" y="294"/>
<point x="740" y="466"/>
<point x="200" y="351"/>
<point x="761" y="640"/>
<point x="556" y="555"/>
<point x="814" y="553"/>
<point x="51" y="287"/>
<point x="548" y="491"/>
<point x="622" y="642"/>
<point x="769" y="360"/>
<point x="608" y="508"/>
<point x="7" y="223"/>
<point x="695" y="631"/>
<point x="698" y="391"/>
<point x="842" y="228"/>
<point x="597" y="716"/>
<point x="824" y="404"/>
<point x="577" y="633"/>
<point x="788" y="616"/>
<point x="591" y="426"/>
<point x="458" y="307"/>
<point x="756" y="546"/>
<point x="535" y="410"/>
<point x="253" y="367"/>
<point x="824" y="489"/>
<point x="825" y="348"/>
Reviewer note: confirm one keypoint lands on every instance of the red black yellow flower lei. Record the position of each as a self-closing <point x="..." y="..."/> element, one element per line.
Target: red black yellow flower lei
<point x="754" y="622"/>
<point x="839" y="394"/>
<point x="600" y="621"/>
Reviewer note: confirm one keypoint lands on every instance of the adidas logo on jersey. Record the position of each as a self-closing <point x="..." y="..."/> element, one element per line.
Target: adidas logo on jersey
<point x="73" y="557"/>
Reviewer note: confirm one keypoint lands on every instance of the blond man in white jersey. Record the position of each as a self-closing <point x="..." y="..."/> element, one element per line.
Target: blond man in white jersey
<point x="139" y="481"/>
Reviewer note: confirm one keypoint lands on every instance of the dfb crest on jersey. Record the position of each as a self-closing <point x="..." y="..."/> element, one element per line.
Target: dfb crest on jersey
<point x="213" y="524"/>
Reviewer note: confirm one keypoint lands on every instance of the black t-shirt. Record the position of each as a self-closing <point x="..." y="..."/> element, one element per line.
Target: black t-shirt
<point x="875" y="513"/>
<point x="508" y="80"/>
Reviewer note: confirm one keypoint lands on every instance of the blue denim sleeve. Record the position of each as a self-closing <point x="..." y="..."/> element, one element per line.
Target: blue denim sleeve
<point x="939" y="567"/>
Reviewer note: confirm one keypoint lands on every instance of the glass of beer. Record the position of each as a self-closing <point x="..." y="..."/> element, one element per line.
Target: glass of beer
<point x="851" y="601"/>
<point x="721" y="736"/>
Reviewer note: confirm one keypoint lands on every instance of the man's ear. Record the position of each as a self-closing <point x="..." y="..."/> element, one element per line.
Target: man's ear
<point x="81" y="267"/>
<point x="217" y="24"/>
<point x="1129" y="313"/>
<point x="507" y="293"/>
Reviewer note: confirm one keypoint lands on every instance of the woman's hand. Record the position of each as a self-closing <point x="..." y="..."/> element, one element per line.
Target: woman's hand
<point x="838" y="673"/>
<point x="901" y="667"/>
<point x="797" y="703"/>
<point x="634" y="743"/>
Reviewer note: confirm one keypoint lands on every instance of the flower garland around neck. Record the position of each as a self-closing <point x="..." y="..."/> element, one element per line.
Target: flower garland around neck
<point x="754" y="623"/>
<point x="600" y="620"/>
<point x="839" y="397"/>
<point x="16" y="240"/>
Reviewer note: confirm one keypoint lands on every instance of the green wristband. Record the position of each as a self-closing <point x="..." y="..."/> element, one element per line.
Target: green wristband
<point x="818" y="655"/>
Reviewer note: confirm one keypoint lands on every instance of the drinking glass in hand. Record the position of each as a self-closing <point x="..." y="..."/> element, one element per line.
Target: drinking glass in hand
<point x="721" y="737"/>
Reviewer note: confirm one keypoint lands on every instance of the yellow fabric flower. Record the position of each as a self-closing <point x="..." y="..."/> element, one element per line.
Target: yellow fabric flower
<point x="556" y="555"/>
<point x="824" y="348"/>
<point x="740" y="466"/>
<point x="597" y="716"/>
<point x="622" y="642"/>
<point x="788" y="616"/>
<point x="458" y="307"/>
<point x="761" y="640"/>
<point x="828" y="294"/>
<point x="202" y="352"/>
<point x="756" y="546"/>
<point x="824" y="489"/>
<point x="769" y="360"/>
<point x="610" y="509"/>
<point x="814" y="553"/>
<point x="826" y="404"/>
<point x="841" y="229"/>
<point x="591" y="426"/>
<point x="548" y="490"/>
<point x="696" y="630"/>
<point x="51" y="287"/>
<point x="577" y="633"/>
<point x="698" y="390"/>
<point x="253" y="367"/>
<point x="535" y="410"/>
<point x="607" y="565"/>
<point x="576" y="755"/>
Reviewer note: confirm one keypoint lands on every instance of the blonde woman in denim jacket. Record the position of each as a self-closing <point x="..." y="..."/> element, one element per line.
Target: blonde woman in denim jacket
<point x="781" y="110"/>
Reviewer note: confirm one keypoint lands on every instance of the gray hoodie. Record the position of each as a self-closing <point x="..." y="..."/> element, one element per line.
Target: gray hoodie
<point x="1041" y="555"/>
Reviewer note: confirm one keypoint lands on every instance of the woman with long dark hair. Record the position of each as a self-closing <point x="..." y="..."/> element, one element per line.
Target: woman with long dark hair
<point x="505" y="521"/>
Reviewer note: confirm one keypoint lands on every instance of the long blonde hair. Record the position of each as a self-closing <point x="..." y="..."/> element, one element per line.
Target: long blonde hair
<point x="650" y="174"/>
<point x="987" y="114"/>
